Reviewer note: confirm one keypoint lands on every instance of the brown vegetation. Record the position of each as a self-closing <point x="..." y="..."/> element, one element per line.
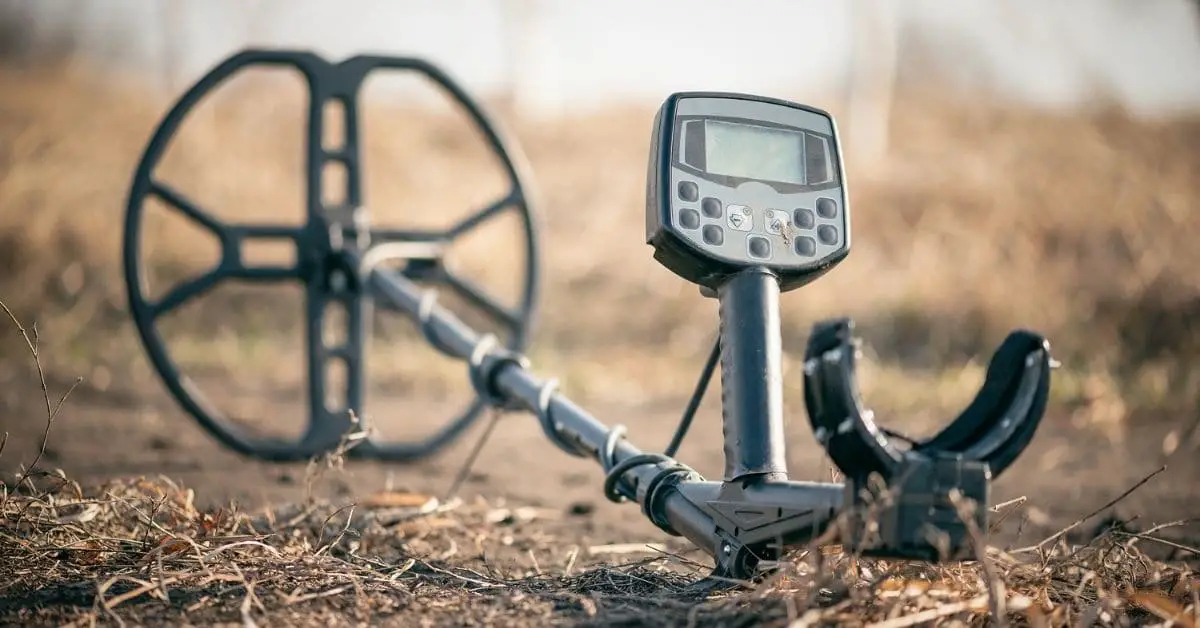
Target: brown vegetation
<point x="1078" y="224"/>
<point x="140" y="551"/>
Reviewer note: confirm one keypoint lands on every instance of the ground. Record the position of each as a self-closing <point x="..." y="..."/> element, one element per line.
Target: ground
<point x="542" y="521"/>
<point x="1078" y="224"/>
<point x="1068" y="471"/>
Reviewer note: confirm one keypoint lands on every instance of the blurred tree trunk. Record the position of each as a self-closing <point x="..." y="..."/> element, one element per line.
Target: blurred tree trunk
<point x="875" y="44"/>
<point x="530" y="59"/>
<point x="172" y="36"/>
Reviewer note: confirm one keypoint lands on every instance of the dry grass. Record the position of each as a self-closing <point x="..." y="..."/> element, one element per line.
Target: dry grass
<point x="139" y="550"/>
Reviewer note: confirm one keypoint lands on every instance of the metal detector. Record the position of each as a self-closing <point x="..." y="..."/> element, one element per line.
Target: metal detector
<point x="746" y="197"/>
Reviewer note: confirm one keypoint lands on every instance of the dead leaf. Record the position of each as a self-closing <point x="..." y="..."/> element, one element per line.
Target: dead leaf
<point x="210" y="523"/>
<point x="78" y="513"/>
<point x="1037" y="618"/>
<point x="1182" y="587"/>
<point x="166" y="546"/>
<point x="1163" y="608"/>
<point x="172" y="545"/>
<point x="397" y="499"/>
<point x="86" y="553"/>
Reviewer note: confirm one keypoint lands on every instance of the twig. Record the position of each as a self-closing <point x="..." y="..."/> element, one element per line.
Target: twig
<point x="51" y="408"/>
<point x="931" y="614"/>
<point x="322" y="548"/>
<point x="143" y="588"/>
<point x="1009" y="507"/>
<point x="162" y="585"/>
<point x="571" y="557"/>
<point x="627" y="548"/>
<point x="489" y="585"/>
<point x="1012" y="502"/>
<point x="1171" y="524"/>
<point x="532" y="558"/>
<point x="250" y="600"/>
<point x="465" y="469"/>
<point x="1147" y="537"/>
<point x="290" y="600"/>
<point x="230" y="546"/>
<point x="996" y="589"/>
<point x="1078" y="522"/>
<point x="334" y="458"/>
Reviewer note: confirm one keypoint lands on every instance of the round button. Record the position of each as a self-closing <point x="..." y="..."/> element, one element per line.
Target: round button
<point x="760" y="247"/>
<point x="826" y="208"/>
<point x="713" y="235"/>
<point x="806" y="246"/>
<point x="711" y="207"/>
<point x="688" y="191"/>
<point x="827" y="234"/>
<point x="804" y="218"/>
<point x="689" y="218"/>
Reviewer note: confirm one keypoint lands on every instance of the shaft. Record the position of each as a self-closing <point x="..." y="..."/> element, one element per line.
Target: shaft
<point x="752" y="376"/>
<point x="571" y="427"/>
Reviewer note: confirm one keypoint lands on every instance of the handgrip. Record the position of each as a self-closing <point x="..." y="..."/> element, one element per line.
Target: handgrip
<point x="994" y="429"/>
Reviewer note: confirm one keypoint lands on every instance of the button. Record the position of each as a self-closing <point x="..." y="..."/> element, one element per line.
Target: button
<point x="711" y="207"/>
<point x="804" y="218"/>
<point x="689" y="218"/>
<point x="740" y="218"/>
<point x="713" y="235"/>
<point x="760" y="247"/>
<point x="688" y="191"/>
<point x="777" y="221"/>
<point x="806" y="246"/>
<point x="827" y="234"/>
<point x="826" y="208"/>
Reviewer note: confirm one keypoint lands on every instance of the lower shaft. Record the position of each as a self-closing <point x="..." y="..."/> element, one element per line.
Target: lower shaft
<point x="752" y="376"/>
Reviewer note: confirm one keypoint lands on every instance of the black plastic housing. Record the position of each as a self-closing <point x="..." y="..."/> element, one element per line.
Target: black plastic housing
<point x="917" y="519"/>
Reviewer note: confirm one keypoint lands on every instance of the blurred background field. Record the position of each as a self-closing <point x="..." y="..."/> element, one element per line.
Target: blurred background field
<point x="1066" y="203"/>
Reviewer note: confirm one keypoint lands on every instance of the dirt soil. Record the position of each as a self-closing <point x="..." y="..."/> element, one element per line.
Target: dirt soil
<point x="1067" y="472"/>
<point x="986" y="218"/>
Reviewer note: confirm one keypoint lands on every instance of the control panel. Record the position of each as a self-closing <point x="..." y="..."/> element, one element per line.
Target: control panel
<point x="736" y="180"/>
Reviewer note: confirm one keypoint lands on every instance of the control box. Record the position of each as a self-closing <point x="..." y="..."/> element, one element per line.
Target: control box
<point x="736" y="181"/>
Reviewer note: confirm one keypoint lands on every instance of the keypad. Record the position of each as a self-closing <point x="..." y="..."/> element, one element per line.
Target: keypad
<point x="788" y="235"/>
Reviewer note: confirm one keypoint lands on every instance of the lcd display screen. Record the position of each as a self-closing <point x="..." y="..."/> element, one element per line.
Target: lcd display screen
<point x="754" y="152"/>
